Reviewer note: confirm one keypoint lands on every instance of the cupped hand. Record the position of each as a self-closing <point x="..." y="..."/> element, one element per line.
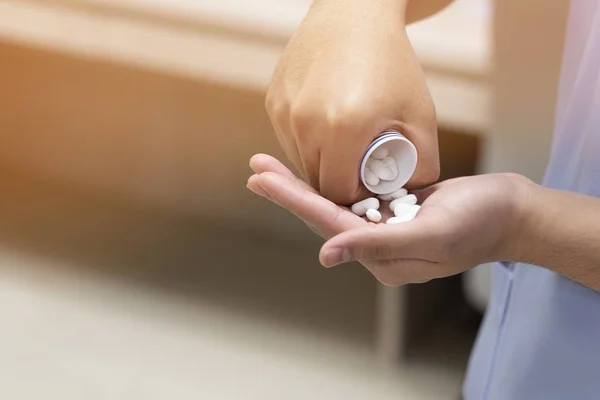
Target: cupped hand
<point x="462" y="223"/>
<point x="348" y="74"/>
<point x="275" y="182"/>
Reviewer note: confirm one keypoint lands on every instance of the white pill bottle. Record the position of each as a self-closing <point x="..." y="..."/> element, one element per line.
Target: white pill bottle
<point x="402" y="151"/>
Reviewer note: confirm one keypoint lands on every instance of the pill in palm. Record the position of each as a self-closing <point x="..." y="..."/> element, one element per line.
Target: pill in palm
<point x="398" y="220"/>
<point x="380" y="153"/>
<point x="371" y="178"/>
<point x="415" y="209"/>
<point x="394" y="195"/>
<point x="410" y="199"/>
<point x="391" y="164"/>
<point x="361" y="207"/>
<point x="412" y="211"/>
<point x="395" y="220"/>
<point x="399" y="193"/>
<point x="402" y="209"/>
<point x="405" y="213"/>
<point x="373" y="215"/>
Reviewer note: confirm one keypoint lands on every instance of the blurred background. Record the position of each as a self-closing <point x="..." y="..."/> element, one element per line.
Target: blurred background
<point x="134" y="264"/>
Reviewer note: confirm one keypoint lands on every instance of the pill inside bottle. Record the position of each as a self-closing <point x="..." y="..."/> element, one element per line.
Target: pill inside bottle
<point x="388" y="163"/>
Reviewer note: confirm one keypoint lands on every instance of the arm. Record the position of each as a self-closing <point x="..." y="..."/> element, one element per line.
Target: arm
<point x="562" y="233"/>
<point x="409" y="11"/>
<point x="348" y="74"/>
<point x="462" y="223"/>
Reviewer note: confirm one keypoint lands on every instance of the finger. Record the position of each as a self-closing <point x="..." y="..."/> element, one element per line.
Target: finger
<point x="421" y="130"/>
<point x="315" y="210"/>
<point x="299" y="184"/>
<point x="265" y="163"/>
<point x="255" y="187"/>
<point x="311" y="160"/>
<point x="286" y="141"/>
<point x="307" y="135"/>
<point x="339" y="170"/>
<point x="416" y="239"/>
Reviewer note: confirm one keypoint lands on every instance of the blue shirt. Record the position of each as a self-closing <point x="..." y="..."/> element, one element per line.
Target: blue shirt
<point x="540" y="338"/>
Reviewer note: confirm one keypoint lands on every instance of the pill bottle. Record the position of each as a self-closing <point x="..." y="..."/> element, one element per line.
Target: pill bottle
<point x="402" y="151"/>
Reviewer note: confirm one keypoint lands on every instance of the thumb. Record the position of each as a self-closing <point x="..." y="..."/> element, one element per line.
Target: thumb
<point x="339" y="179"/>
<point x="418" y="239"/>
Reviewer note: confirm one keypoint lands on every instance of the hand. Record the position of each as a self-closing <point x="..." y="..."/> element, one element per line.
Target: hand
<point x="278" y="184"/>
<point x="462" y="223"/>
<point x="348" y="74"/>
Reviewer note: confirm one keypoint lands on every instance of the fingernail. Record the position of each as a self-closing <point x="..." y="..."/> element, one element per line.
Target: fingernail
<point x="335" y="257"/>
<point x="259" y="191"/>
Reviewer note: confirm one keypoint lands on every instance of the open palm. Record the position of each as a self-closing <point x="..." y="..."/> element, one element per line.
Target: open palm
<point x="462" y="222"/>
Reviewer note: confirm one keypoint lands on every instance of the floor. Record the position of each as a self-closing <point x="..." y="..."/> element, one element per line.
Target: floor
<point x="68" y="337"/>
<point x="106" y="302"/>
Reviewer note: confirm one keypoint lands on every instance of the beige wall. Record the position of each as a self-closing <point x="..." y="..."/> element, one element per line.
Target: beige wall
<point x="528" y="45"/>
<point x="163" y="140"/>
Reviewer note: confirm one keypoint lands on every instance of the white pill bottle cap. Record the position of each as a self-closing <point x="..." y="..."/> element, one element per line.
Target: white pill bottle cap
<point x="402" y="151"/>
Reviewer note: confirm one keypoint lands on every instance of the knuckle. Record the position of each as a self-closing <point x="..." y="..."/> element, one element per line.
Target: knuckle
<point x="279" y="112"/>
<point x="344" y="115"/>
<point x="432" y="174"/>
<point x="336" y="216"/>
<point x="427" y="174"/>
<point x="300" y="116"/>
<point x="276" y="106"/>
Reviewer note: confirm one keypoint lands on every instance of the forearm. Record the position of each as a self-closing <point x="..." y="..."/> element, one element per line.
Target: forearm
<point x="408" y="11"/>
<point x="562" y="233"/>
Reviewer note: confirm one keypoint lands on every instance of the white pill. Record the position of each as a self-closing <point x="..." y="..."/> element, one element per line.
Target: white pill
<point x="399" y="220"/>
<point x="382" y="171"/>
<point x="371" y="162"/>
<point x="394" y="195"/>
<point x="386" y="174"/>
<point x="399" y="193"/>
<point x="401" y="209"/>
<point x="380" y="153"/>
<point x="410" y="199"/>
<point x="361" y="207"/>
<point x="373" y="215"/>
<point x="415" y="209"/>
<point x="391" y="164"/>
<point x="394" y="220"/>
<point x="385" y="197"/>
<point x="371" y="178"/>
<point x="404" y="213"/>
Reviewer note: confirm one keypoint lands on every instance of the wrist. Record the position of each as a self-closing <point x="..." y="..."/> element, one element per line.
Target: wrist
<point x="544" y="215"/>
<point x="524" y="196"/>
<point x="394" y="8"/>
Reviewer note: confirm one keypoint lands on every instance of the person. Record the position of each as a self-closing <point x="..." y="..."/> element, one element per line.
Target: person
<point x="348" y="73"/>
